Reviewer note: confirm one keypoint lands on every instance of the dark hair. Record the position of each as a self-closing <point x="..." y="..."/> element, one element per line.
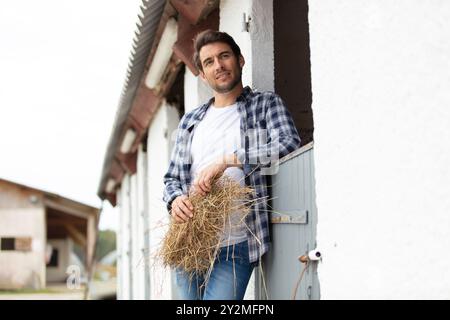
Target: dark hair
<point x="210" y="36"/>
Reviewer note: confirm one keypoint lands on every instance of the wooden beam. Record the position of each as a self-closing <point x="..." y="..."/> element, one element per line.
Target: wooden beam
<point x="91" y="241"/>
<point x="61" y="222"/>
<point x="76" y="235"/>
<point x="116" y="172"/>
<point x="128" y="161"/>
<point x="184" y="47"/>
<point x="194" y="10"/>
<point x="145" y="104"/>
<point x="112" y="198"/>
<point x="65" y="209"/>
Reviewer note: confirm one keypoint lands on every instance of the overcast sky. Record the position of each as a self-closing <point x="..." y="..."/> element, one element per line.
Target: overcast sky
<point x="62" y="68"/>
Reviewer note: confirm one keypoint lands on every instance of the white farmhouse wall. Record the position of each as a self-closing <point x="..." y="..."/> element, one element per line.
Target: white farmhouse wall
<point x="143" y="222"/>
<point x="133" y="239"/>
<point x="380" y="79"/>
<point x="137" y="237"/>
<point x="119" y="247"/>
<point x="159" y="135"/>
<point x="196" y="92"/>
<point x="124" y="239"/>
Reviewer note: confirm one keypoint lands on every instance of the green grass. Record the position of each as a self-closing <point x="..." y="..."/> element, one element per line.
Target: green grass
<point x="25" y="291"/>
<point x="31" y="291"/>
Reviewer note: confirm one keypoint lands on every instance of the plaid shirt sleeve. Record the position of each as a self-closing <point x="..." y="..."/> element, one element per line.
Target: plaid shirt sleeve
<point x="279" y="139"/>
<point x="172" y="180"/>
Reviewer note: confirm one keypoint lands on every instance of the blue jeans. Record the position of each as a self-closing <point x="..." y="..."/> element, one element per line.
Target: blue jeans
<point x="228" y="279"/>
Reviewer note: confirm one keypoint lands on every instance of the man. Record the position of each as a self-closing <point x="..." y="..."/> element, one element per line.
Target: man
<point x="233" y="134"/>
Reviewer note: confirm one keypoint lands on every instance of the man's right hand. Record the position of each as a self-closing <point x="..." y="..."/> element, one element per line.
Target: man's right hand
<point x="182" y="209"/>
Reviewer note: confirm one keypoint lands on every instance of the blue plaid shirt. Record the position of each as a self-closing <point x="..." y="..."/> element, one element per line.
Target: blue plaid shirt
<point x="267" y="134"/>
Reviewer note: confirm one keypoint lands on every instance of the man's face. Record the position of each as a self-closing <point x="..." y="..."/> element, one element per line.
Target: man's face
<point x="222" y="70"/>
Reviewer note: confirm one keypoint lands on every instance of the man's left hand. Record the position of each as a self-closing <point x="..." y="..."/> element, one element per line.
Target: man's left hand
<point x="205" y="179"/>
<point x="203" y="182"/>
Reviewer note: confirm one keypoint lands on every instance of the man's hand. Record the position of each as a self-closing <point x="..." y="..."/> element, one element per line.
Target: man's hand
<point x="203" y="183"/>
<point x="205" y="179"/>
<point x="182" y="209"/>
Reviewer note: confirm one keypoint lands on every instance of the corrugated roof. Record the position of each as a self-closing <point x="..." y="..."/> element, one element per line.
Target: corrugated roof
<point x="147" y="24"/>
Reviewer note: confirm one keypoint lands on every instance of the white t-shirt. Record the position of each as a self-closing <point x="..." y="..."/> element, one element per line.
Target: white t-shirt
<point x="219" y="134"/>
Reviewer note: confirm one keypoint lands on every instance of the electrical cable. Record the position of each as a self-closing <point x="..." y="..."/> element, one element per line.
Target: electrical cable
<point x="294" y="293"/>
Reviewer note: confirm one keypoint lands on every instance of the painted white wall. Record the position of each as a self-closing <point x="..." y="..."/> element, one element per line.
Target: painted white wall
<point x="65" y="248"/>
<point x="380" y="79"/>
<point x="165" y="121"/>
<point x="119" y="246"/>
<point x="143" y="221"/>
<point x="231" y="13"/>
<point x="134" y="239"/>
<point x="196" y="92"/>
<point x="23" y="269"/>
<point x="124" y="238"/>
<point x="132" y="225"/>
<point x="137" y="243"/>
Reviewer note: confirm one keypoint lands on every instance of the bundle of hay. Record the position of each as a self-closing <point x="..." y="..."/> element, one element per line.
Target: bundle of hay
<point x="193" y="245"/>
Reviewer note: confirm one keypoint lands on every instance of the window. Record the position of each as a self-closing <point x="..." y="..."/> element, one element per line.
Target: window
<point x="15" y="244"/>
<point x="7" y="244"/>
<point x="23" y="244"/>
<point x="54" y="258"/>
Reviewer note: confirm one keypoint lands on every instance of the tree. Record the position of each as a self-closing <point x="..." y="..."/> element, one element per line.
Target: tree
<point x="106" y="242"/>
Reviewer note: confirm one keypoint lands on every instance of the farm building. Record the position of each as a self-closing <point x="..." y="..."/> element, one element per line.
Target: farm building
<point x="39" y="234"/>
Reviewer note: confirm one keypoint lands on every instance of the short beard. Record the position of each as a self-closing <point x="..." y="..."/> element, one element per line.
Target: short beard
<point x="228" y="87"/>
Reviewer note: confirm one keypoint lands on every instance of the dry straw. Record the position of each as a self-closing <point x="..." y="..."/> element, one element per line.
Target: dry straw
<point x="194" y="245"/>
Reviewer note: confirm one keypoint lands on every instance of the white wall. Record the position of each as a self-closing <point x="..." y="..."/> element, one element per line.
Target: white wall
<point x="137" y="243"/>
<point x="123" y="237"/>
<point x="380" y="79"/>
<point x="231" y="13"/>
<point x="132" y="226"/>
<point x="143" y="222"/>
<point x="196" y="92"/>
<point x="165" y="121"/>
<point x="131" y="264"/>
<point x="23" y="269"/>
<point x="119" y="246"/>
<point x="65" y="248"/>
